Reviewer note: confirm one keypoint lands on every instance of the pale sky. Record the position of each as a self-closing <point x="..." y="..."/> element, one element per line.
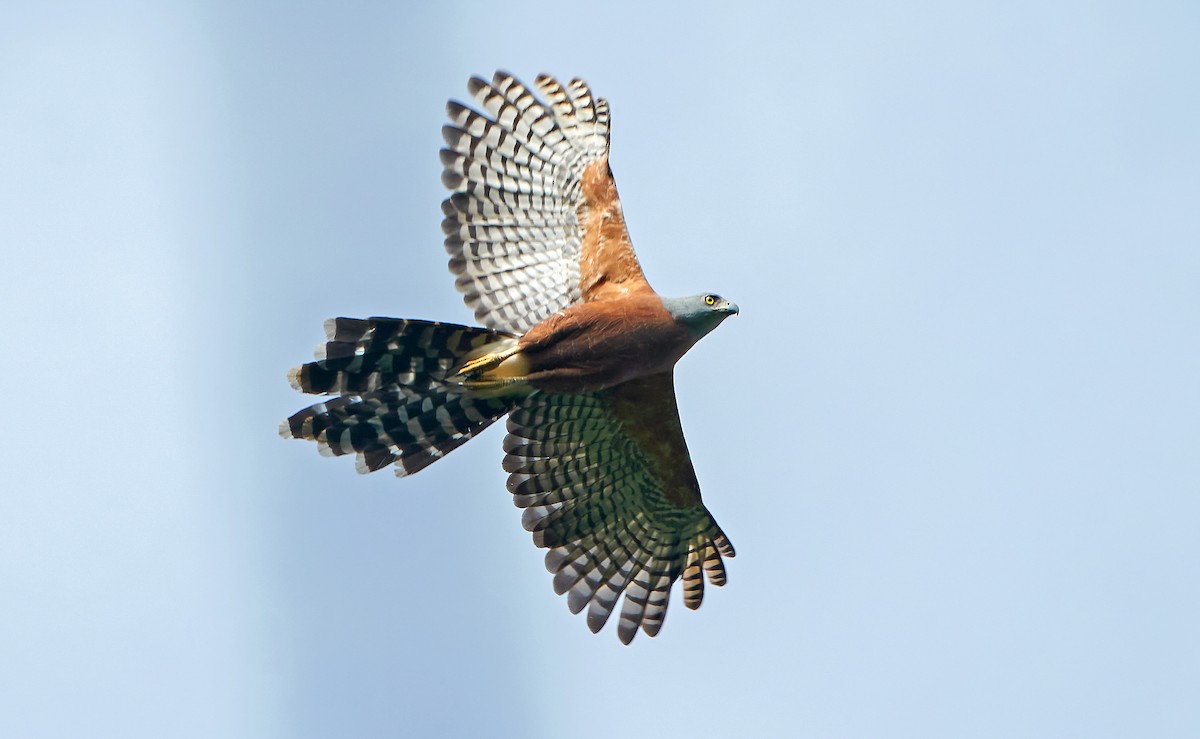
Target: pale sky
<point x="953" y="434"/>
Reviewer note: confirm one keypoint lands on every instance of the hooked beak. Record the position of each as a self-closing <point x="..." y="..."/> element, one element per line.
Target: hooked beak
<point x="730" y="308"/>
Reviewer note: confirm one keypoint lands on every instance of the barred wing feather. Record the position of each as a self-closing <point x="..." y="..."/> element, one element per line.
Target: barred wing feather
<point x="517" y="223"/>
<point x="615" y="521"/>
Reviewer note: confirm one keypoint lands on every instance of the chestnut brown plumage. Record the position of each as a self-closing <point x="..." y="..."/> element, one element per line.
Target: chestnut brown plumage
<point x="576" y="349"/>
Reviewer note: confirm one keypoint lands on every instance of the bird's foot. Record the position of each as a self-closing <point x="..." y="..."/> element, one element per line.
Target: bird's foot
<point x="485" y="362"/>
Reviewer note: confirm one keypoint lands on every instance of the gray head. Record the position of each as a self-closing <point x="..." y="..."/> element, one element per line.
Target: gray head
<point x="700" y="313"/>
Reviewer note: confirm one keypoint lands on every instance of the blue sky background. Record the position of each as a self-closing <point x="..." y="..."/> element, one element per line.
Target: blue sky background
<point x="954" y="433"/>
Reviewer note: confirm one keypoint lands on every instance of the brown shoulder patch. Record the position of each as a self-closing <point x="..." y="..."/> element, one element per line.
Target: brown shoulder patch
<point x="608" y="266"/>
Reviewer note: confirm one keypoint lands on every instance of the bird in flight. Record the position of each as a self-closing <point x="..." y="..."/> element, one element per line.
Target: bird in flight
<point x="575" y="348"/>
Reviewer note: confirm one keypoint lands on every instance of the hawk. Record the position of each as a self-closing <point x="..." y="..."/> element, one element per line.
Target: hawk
<point x="575" y="348"/>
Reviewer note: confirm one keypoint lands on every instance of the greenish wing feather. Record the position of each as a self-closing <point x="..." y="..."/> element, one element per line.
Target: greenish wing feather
<point x="599" y="476"/>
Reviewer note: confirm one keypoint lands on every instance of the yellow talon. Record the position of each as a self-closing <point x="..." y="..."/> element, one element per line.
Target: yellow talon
<point x="479" y="364"/>
<point x="473" y="367"/>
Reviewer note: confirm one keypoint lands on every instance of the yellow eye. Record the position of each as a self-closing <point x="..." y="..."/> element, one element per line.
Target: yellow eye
<point x="710" y="299"/>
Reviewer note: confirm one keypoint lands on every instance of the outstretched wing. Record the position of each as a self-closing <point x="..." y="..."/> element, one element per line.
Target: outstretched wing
<point x="608" y="487"/>
<point x="535" y="223"/>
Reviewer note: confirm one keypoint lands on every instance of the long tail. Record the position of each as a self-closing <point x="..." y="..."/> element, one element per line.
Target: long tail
<point x="397" y="405"/>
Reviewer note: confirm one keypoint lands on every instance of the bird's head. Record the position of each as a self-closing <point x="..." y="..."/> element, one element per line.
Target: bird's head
<point x="700" y="313"/>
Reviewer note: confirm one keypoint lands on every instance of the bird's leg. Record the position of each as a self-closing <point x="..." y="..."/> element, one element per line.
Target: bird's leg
<point x="497" y="371"/>
<point x="495" y="387"/>
<point x="485" y="361"/>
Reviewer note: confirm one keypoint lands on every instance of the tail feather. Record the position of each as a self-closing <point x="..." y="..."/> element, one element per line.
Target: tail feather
<point x="397" y="406"/>
<point x="366" y="354"/>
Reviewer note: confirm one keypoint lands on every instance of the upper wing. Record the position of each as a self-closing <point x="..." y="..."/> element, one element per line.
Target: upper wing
<point x="534" y="224"/>
<point x="608" y="487"/>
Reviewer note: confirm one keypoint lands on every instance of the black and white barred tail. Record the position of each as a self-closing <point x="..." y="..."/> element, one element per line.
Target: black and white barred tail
<point x="399" y="404"/>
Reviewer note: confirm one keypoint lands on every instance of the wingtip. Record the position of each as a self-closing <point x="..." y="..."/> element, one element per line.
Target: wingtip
<point x="475" y="84"/>
<point x="597" y="616"/>
<point x="626" y="634"/>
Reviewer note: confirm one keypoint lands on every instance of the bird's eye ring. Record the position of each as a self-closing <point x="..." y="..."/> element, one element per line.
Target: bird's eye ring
<point x="710" y="299"/>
